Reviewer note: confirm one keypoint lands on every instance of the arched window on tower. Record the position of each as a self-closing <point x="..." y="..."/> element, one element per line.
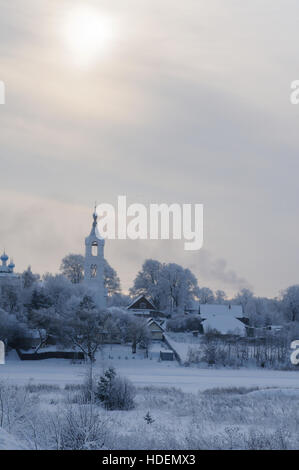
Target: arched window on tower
<point x="94" y="249"/>
<point x="93" y="270"/>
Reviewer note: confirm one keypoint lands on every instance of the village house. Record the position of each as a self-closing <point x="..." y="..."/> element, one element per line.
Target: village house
<point x="142" y="307"/>
<point x="223" y="318"/>
<point x="156" y="328"/>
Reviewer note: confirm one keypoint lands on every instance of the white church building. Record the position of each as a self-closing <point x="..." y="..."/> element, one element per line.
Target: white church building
<point x="94" y="264"/>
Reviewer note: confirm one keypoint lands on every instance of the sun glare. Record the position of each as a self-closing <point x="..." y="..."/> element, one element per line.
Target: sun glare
<point x="88" y="34"/>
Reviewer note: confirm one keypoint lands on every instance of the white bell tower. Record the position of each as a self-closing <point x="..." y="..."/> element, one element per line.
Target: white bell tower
<point x="94" y="264"/>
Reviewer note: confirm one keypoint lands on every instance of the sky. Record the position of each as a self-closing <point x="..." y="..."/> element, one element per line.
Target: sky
<point x="185" y="102"/>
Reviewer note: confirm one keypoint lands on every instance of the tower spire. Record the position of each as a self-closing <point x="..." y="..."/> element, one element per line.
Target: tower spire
<point x="94" y="263"/>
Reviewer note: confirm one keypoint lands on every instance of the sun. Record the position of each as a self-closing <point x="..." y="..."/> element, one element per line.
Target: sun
<point x="88" y="34"/>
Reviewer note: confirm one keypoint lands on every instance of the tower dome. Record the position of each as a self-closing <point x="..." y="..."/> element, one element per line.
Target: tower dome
<point x="4" y="257"/>
<point x="11" y="265"/>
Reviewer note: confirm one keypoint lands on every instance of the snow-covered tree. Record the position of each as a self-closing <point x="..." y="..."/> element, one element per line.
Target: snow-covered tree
<point x="38" y="299"/>
<point x="46" y="323"/>
<point x="84" y="328"/>
<point x="220" y="297"/>
<point x="169" y="286"/>
<point x="206" y="295"/>
<point x="135" y="331"/>
<point x="29" y="279"/>
<point x="111" y="280"/>
<point x="179" y="284"/>
<point x="12" y="332"/>
<point x="72" y="267"/>
<point x="148" y="281"/>
<point x="10" y="298"/>
<point x="243" y="297"/>
<point x="290" y="303"/>
<point x="57" y="289"/>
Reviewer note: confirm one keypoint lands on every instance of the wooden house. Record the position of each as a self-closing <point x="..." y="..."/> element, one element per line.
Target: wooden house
<point x="156" y="328"/>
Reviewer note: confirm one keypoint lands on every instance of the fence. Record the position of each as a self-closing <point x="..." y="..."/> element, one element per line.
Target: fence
<point x="50" y="355"/>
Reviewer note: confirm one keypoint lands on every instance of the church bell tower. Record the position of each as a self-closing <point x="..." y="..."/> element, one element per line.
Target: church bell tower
<point x="94" y="264"/>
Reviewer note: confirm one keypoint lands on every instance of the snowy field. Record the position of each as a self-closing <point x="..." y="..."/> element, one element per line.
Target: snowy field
<point x="190" y="408"/>
<point x="49" y="417"/>
<point x="143" y="372"/>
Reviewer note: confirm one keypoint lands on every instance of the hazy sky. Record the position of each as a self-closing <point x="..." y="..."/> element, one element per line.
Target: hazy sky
<point x="186" y="102"/>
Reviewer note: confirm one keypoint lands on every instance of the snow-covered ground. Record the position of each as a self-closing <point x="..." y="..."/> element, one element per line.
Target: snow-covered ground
<point x="9" y="442"/>
<point x="144" y="372"/>
<point x="239" y="409"/>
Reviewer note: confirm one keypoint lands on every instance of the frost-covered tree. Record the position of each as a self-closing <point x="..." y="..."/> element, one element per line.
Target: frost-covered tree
<point x="138" y="333"/>
<point x="46" y="323"/>
<point x="118" y="300"/>
<point x="84" y="328"/>
<point x="10" y="298"/>
<point x="179" y="284"/>
<point x="206" y="295"/>
<point x="72" y="267"/>
<point x="29" y="279"/>
<point x="220" y="297"/>
<point x="111" y="280"/>
<point x="243" y="297"/>
<point x="57" y="289"/>
<point x="169" y="286"/>
<point x="38" y="300"/>
<point x="290" y="303"/>
<point x="148" y="281"/>
<point x="13" y="333"/>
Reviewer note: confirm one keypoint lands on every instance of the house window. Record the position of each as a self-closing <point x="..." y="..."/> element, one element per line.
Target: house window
<point x="93" y="270"/>
<point x="142" y="305"/>
<point x="94" y="249"/>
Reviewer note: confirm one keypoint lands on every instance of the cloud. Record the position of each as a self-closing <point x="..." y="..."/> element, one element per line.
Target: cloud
<point x="217" y="273"/>
<point x="172" y="115"/>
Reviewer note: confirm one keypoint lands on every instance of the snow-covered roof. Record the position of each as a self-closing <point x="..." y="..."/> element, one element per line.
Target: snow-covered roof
<point x="137" y="300"/>
<point x="206" y="310"/>
<point x="159" y="324"/>
<point x="224" y="324"/>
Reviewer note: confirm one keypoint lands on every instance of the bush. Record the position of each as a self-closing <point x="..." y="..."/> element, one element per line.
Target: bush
<point x="115" y="392"/>
<point x="78" y="428"/>
<point x="184" y="323"/>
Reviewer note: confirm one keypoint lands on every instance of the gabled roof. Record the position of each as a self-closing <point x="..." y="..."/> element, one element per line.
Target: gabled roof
<point x="135" y="304"/>
<point x="208" y="310"/>
<point x="224" y="324"/>
<point x="159" y="324"/>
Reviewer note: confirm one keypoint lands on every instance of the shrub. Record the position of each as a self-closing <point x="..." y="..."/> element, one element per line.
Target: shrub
<point x="115" y="392"/>
<point x="184" y="323"/>
<point x="80" y="428"/>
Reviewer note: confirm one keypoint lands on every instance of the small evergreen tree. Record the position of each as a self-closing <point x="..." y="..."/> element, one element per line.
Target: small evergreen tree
<point x="148" y="418"/>
<point x="114" y="392"/>
<point x="105" y="385"/>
